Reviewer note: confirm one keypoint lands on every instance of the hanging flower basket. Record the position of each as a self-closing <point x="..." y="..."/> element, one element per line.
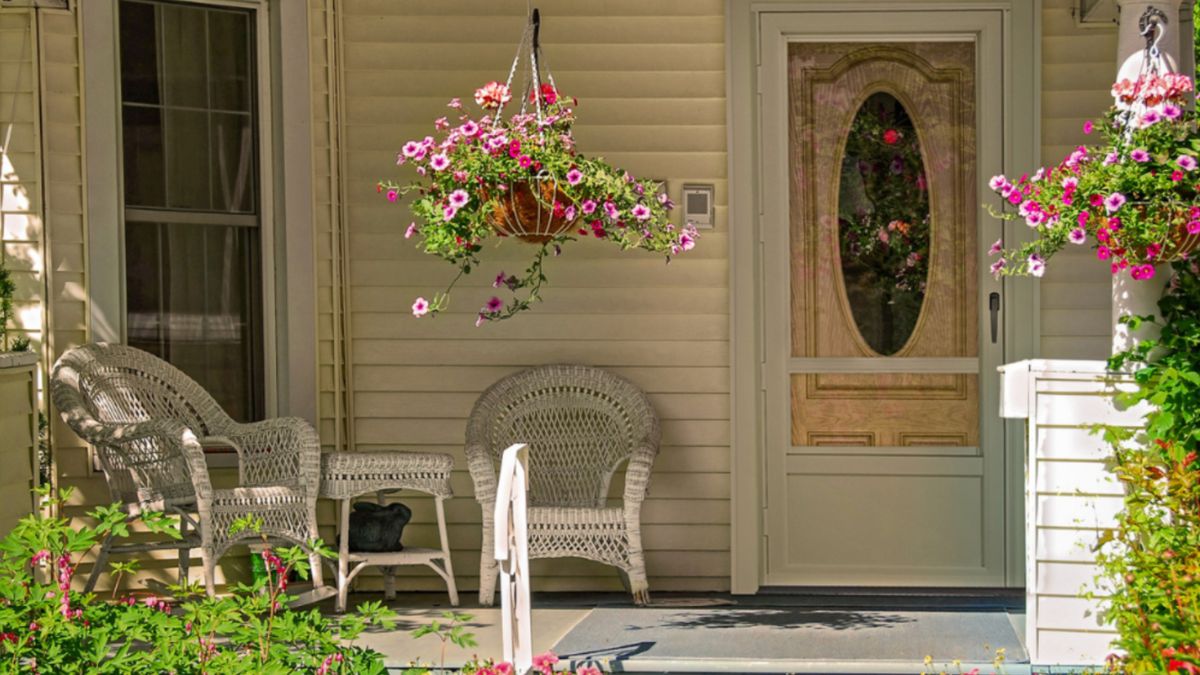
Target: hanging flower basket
<point x="519" y="176"/>
<point x="1135" y="198"/>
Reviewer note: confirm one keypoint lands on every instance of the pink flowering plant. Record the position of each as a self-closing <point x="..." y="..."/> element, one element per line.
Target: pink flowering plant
<point x="1133" y="198"/>
<point x="470" y="172"/>
<point x="48" y="625"/>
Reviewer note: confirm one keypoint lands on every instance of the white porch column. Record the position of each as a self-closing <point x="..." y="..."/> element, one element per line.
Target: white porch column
<point x="1130" y="296"/>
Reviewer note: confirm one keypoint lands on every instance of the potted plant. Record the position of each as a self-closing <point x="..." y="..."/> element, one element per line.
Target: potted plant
<point x="1134" y="197"/>
<point x="521" y="177"/>
<point x="18" y="384"/>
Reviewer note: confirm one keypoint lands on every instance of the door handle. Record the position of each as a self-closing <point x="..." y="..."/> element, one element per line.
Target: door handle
<point x="994" y="307"/>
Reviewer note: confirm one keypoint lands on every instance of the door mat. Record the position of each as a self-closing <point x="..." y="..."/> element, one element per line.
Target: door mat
<point x="773" y="639"/>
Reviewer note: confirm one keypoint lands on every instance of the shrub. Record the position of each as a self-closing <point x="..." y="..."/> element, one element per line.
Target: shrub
<point x="47" y="627"/>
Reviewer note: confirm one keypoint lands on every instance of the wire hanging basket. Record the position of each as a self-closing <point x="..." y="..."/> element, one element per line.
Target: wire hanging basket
<point x="532" y="209"/>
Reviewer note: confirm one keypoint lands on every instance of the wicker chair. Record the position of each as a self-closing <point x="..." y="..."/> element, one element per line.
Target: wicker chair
<point x="149" y="423"/>
<point x="581" y="424"/>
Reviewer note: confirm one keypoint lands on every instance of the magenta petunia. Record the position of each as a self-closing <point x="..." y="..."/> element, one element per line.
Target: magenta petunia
<point x="525" y="161"/>
<point x="392" y="195"/>
<point x="1193" y="227"/>
<point x="1088" y="127"/>
<point x="494" y="305"/>
<point x="1103" y="252"/>
<point x="1037" y="265"/>
<point x="420" y="307"/>
<point x="499" y="280"/>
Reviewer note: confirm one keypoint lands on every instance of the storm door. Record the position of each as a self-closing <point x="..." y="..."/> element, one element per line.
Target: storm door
<point x="880" y="467"/>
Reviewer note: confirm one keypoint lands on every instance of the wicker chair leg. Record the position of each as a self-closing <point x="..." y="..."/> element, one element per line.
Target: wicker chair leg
<point x="185" y="555"/>
<point x="489" y="571"/>
<point x="99" y="566"/>
<point x="210" y="572"/>
<point x="638" y="584"/>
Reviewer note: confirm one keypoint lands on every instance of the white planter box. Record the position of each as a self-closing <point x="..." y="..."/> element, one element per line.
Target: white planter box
<point x="1070" y="497"/>
<point x="18" y="436"/>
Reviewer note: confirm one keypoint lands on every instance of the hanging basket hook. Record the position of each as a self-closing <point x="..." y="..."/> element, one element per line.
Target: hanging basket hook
<point x="1153" y="19"/>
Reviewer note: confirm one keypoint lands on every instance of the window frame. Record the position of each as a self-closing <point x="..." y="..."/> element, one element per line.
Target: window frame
<point x="285" y="166"/>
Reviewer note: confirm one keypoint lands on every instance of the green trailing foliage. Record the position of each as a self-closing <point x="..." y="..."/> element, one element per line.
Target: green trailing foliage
<point x="1151" y="561"/>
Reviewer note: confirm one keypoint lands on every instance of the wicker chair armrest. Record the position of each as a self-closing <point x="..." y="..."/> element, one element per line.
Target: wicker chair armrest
<point x="158" y="482"/>
<point x="279" y="451"/>
<point x="637" y="473"/>
<point x="483" y="473"/>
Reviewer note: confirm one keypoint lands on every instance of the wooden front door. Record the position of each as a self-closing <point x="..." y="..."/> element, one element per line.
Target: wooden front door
<point x="878" y="473"/>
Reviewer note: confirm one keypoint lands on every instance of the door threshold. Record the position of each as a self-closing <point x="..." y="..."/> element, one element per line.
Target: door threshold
<point x="883" y="597"/>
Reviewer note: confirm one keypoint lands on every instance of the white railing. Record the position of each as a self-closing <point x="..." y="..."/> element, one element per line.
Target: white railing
<point x="512" y="552"/>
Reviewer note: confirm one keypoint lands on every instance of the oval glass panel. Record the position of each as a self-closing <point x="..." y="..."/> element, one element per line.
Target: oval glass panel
<point x="883" y="223"/>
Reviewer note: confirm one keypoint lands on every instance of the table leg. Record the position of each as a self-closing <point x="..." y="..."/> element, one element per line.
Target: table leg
<point x="449" y="567"/>
<point x="343" y="583"/>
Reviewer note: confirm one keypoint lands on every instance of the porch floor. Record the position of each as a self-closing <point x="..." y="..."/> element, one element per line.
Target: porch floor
<point x="715" y="633"/>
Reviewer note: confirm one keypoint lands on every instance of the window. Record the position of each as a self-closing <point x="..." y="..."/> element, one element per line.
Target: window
<point x="192" y="194"/>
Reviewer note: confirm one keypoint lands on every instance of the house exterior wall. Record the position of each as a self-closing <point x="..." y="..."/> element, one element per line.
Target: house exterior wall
<point x="1078" y="65"/>
<point x="651" y="80"/>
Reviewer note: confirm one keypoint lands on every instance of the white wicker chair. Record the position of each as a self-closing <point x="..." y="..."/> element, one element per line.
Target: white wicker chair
<point x="149" y="422"/>
<point x="581" y="424"/>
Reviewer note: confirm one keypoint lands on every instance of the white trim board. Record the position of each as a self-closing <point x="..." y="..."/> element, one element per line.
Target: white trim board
<point x="1017" y="110"/>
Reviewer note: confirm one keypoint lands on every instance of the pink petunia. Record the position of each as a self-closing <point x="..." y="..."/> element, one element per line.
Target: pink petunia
<point x="410" y="231"/>
<point x="454" y="103"/>
<point x="439" y="162"/>
<point x="997" y="183"/>
<point x="1171" y="111"/>
<point x="1139" y="155"/>
<point x="441" y="123"/>
<point x="1153" y="250"/>
<point x="1077" y="235"/>
<point x="494" y="305"/>
<point x="1114" y="201"/>
<point x="449" y="212"/>
<point x="420" y="307"/>
<point x="1150" y="118"/>
<point x="1186" y="162"/>
<point x="1070" y="183"/>
<point x="640" y="212"/>
<point x="610" y="209"/>
<point x="574" y="176"/>
<point x="1112" y="158"/>
<point x="996" y="247"/>
<point x="545" y="663"/>
<point x="411" y="149"/>
<point x="998" y="267"/>
<point x="499" y="280"/>
<point x="588" y="206"/>
<point x="469" y="129"/>
<point x="459" y="198"/>
<point x="1037" y="265"/>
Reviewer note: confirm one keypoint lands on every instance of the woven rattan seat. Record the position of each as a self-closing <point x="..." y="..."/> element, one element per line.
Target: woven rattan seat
<point x="581" y="424"/>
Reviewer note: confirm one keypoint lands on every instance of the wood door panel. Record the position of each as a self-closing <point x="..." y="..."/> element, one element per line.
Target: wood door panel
<point x="883" y="419"/>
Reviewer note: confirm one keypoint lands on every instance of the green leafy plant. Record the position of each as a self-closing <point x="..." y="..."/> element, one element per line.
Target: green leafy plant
<point x="1152" y="559"/>
<point x="48" y="627"/>
<point x="482" y="172"/>
<point x="7" y="288"/>
<point x="454" y="631"/>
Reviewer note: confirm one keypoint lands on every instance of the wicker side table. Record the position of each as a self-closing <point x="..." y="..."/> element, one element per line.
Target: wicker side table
<point x="346" y="475"/>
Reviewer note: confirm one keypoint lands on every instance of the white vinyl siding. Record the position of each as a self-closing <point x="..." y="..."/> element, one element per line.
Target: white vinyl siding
<point x="1078" y="66"/>
<point x="651" y="83"/>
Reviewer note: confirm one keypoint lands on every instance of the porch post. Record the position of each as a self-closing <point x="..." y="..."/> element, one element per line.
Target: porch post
<point x="1130" y="296"/>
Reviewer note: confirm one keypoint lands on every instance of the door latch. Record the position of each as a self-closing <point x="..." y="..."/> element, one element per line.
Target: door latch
<point x="994" y="308"/>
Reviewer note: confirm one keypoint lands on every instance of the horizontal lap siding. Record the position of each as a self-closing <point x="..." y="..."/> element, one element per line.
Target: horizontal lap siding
<point x="1076" y="500"/>
<point x="1078" y="66"/>
<point x="651" y="83"/>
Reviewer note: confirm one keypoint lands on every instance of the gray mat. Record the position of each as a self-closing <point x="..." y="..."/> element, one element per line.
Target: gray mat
<point x="623" y="637"/>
